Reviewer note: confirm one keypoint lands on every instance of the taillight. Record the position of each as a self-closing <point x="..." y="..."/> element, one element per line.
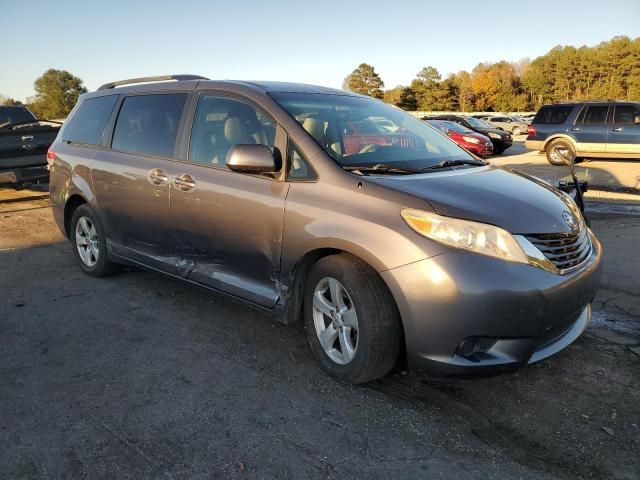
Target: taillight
<point x="51" y="156"/>
<point x="531" y="131"/>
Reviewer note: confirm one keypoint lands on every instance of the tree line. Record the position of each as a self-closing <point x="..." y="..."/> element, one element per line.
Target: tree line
<point x="609" y="70"/>
<point x="57" y="91"/>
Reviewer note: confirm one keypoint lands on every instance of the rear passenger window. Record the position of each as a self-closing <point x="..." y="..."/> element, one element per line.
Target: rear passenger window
<point x="595" y="115"/>
<point x="625" y="114"/>
<point x="221" y="123"/>
<point x="148" y="124"/>
<point x="552" y="115"/>
<point x="88" y="123"/>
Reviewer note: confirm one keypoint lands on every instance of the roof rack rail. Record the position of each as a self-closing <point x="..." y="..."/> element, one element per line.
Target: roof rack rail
<point x="159" y="78"/>
<point x="593" y="100"/>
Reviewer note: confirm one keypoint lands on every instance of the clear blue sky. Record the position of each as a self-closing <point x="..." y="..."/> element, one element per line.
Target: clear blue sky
<point x="313" y="42"/>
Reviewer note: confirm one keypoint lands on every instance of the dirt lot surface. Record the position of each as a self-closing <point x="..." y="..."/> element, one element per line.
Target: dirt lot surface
<point x="608" y="174"/>
<point x="140" y="376"/>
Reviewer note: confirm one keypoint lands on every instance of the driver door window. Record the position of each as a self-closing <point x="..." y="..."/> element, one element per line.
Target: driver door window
<point x="221" y="123"/>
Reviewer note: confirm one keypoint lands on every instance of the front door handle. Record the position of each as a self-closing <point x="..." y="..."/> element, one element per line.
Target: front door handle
<point x="185" y="182"/>
<point x="157" y="177"/>
<point x="617" y="129"/>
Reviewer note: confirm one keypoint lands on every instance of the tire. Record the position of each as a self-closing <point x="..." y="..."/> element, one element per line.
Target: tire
<point x="367" y="346"/>
<point x="516" y="131"/>
<point x="498" y="151"/>
<point x="85" y="225"/>
<point x="551" y="151"/>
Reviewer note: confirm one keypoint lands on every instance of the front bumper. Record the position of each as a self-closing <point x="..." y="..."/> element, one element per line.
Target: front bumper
<point x="530" y="313"/>
<point x="479" y="149"/>
<point x="501" y="143"/>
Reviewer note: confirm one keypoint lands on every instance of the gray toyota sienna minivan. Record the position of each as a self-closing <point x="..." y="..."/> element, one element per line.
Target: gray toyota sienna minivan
<point x="387" y="239"/>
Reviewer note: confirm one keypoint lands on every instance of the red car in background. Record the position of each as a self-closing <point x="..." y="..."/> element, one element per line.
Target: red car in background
<point x="360" y="135"/>
<point x="468" y="139"/>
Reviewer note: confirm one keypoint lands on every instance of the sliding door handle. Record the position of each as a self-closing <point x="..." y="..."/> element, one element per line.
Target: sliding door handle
<point x="185" y="182"/>
<point x="157" y="177"/>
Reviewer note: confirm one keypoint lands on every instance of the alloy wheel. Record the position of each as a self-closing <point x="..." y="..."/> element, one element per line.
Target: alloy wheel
<point x="559" y="153"/>
<point x="87" y="241"/>
<point x="335" y="320"/>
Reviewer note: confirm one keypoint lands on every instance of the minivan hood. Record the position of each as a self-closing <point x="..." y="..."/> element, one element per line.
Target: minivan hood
<point x="518" y="203"/>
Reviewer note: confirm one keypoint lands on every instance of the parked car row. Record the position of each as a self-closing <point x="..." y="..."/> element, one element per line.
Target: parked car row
<point x="500" y="139"/>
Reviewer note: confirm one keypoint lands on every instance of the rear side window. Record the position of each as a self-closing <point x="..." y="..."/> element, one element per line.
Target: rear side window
<point x="625" y="114"/>
<point x="88" y="123"/>
<point x="148" y="124"/>
<point x="595" y="115"/>
<point x="553" y="115"/>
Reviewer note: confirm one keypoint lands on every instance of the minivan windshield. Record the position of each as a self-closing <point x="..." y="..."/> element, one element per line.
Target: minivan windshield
<point x="364" y="132"/>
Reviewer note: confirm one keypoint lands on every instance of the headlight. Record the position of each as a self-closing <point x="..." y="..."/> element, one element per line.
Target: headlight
<point x="464" y="234"/>
<point x="494" y="135"/>
<point x="470" y="139"/>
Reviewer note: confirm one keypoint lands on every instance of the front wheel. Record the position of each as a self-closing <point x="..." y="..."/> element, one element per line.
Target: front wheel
<point x="351" y="320"/>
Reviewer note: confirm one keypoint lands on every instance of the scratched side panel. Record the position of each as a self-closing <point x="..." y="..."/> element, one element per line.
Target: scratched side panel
<point x="227" y="232"/>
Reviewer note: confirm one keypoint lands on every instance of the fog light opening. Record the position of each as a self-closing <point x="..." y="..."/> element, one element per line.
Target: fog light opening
<point x="472" y="345"/>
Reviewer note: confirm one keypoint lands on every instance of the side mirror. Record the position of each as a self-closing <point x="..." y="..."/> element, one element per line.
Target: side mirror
<point x="636" y="120"/>
<point x="247" y="158"/>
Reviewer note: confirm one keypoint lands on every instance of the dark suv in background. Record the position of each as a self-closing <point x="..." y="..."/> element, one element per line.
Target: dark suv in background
<point x="390" y="243"/>
<point x="500" y="139"/>
<point x="609" y="129"/>
<point x="24" y="141"/>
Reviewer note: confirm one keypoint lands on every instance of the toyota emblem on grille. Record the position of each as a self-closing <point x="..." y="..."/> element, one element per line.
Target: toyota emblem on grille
<point x="570" y="220"/>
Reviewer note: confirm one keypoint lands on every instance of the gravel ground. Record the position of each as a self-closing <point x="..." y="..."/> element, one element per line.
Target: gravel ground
<point x="140" y="376"/>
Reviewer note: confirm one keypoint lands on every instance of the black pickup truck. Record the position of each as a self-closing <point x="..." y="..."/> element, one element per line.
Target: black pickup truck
<point x="24" y="141"/>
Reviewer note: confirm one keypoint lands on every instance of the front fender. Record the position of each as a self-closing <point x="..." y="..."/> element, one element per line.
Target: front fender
<point x="369" y="227"/>
<point x="563" y="136"/>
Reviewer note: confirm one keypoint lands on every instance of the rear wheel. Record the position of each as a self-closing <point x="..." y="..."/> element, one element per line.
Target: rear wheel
<point x="516" y="131"/>
<point x="557" y="150"/>
<point x="351" y="320"/>
<point x="89" y="245"/>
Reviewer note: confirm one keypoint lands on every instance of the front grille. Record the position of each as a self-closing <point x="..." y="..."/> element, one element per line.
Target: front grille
<point x="564" y="250"/>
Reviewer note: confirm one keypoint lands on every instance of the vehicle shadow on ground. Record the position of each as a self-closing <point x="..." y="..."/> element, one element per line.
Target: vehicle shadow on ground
<point x="520" y="158"/>
<point x="136" y="350"/>
<point x="596" y="176"/>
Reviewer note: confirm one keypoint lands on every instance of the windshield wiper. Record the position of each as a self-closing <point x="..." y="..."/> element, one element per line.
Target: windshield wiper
<point x="453" y="163"/>
<point x="380" y="168"/>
